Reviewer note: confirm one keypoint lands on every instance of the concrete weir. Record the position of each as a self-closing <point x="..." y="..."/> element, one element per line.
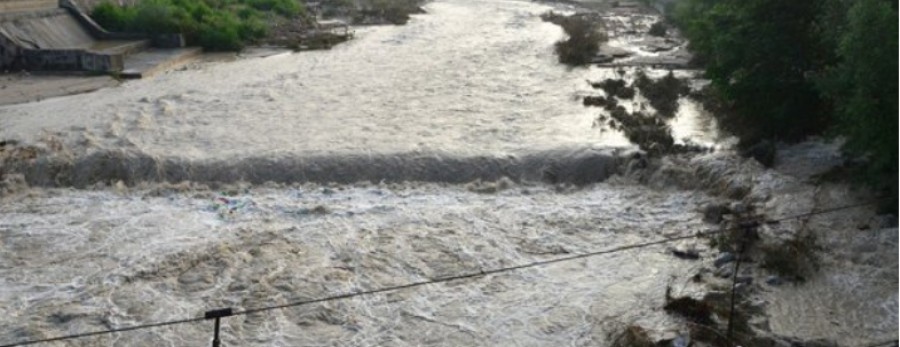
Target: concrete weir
<point x="57" y="35"/>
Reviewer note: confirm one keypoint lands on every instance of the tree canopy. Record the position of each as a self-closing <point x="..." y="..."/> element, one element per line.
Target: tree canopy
<point x="788" y="69"/>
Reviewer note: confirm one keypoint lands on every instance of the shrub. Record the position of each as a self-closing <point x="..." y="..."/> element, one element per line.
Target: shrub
<point x="793" y="259"/>
<point x="287" y="8"/>
<point x="157" y="17"/>
<point x="212" y="24"/>
<point x="658" y="29"/>
<point x="662" y="94"/>
<point x="252" y="28"/>
<point x="649" y="132"/>
<point x="584" y="38"/>
<point x="113" y="17"/>
<point x="220" y="32"/>
<point x="614" y="87"/>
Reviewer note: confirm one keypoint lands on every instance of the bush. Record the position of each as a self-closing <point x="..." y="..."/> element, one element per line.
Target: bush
<point x="212" y="24"/>
<point x="649" y="132"/>
<point x="113" y="17"/>
<point x="220" y="32"/>
<point x="658" y="29"/>
<point x="794" y="259"/>
<point x="252" y="28"/>
<point x="662" y="94"/>
<point x="584" y="38"/>
<point x="287" y="8"/>
<point x="613" y="87"/>
<point x="158" y="17"/>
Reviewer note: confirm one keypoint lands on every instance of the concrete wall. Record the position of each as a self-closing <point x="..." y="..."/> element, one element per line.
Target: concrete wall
<point x="9" y="52"/>
<point x="52" y="40"/>
<point x="10" y="6"/>
<point x="47" y="30"/>
<point x="57" y="35"/>
<point x="71" y="60"/>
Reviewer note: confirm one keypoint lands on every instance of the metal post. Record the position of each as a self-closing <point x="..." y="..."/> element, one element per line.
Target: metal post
<point x="747" y="229"/>
<point x="217" y="315"/>
<point x="216" y="341"/>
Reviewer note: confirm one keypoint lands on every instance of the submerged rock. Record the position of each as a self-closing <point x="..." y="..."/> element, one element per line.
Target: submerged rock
<point x="724" y="272"/>
<point x="594" y="101"/>
<point x="686" y="253"/>
<point x="724" y="258"/>
<point x="714" y="213"/>
<point x="614" y="87"/>
<point x="633" y="336"/>
<point x="694" y="310"/>
<point x="763" y="152"/>
<point x="681" y="341"/>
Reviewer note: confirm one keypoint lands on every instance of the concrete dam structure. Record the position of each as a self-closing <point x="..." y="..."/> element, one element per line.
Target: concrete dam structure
<point x="58" y="36"/>
<point x="8" y="6"/>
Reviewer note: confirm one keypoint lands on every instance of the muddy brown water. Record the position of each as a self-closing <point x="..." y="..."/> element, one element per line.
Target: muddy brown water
<point x="374" y="147"/>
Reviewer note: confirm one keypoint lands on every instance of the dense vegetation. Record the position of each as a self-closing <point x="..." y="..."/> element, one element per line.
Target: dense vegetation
<point x="212" y="24"/>
<point x="783" y="70"/>
<point x="584" y="37"/>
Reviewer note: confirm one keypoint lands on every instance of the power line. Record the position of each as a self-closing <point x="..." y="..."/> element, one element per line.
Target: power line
<point x="221" y="313"/>
<point x="537" y="263"/>
<point x="469" y="275"/>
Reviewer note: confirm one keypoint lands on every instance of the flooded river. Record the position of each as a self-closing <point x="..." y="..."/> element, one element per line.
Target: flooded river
<point x="453" y="144"/>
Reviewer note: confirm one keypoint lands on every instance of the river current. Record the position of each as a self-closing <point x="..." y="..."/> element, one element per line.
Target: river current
<point x="453" y="144"/>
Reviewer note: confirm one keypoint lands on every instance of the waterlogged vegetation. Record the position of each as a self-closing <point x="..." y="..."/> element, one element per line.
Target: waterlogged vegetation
<point x="662" y="94"/>
<point x="784" y="70"/>
<point x="212" y="24"/>
<point x="584" y="37"/>
<point x="372" y="11"/>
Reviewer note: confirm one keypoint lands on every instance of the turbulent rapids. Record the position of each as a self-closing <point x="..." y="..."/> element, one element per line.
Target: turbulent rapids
<point x="453" y="144"/>
<point x="578" y="167"/>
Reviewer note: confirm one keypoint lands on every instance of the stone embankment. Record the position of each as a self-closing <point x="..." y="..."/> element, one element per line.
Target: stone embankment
<point x="59" y="36"/>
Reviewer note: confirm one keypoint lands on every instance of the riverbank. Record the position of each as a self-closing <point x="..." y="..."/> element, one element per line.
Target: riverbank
<point x="780" y="260"/>
<point x="284" y="35"/>
<point x="233" y="26"/>
<point x="808" y="280"/>
<point x="18" y="88"/>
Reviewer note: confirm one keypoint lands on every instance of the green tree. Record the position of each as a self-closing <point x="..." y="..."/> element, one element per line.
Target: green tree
<point x="759" y="55"/>
<point x="863" y="84"/>
<point x="786" y="69"/>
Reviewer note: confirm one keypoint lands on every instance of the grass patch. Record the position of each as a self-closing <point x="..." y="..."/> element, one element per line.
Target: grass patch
<point x="223" y="25"/>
